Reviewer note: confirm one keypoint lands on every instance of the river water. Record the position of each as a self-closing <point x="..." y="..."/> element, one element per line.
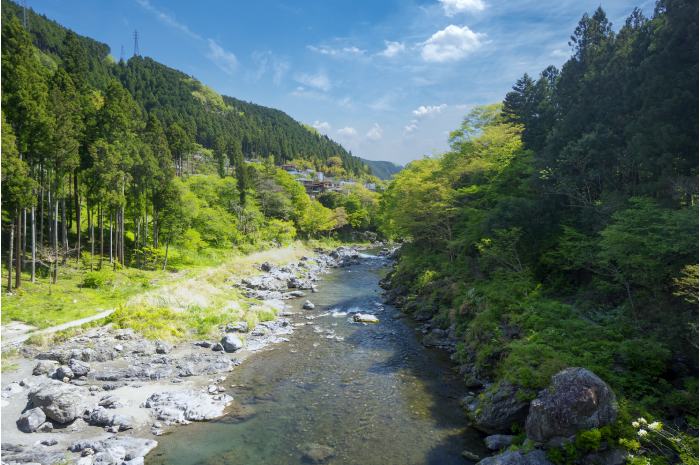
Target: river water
<point x="372" y="393"/>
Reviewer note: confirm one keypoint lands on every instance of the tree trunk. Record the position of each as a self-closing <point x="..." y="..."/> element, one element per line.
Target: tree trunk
<point x="111" y="221"/>
<point x="55" y="244"/>
<point x="33" y="246"/>
<point x="18" y="251"/>
<point x="24" y="232"/>
<point x="165" y="260"/>
<point x="123" y="255"/>
<point x="9" y="257"/>
<point x="41" y="215"/>
<point x="49" y="213"/>
<point x="77" y="210"/>
<point x="64" y="231"/>
<point x="102" y="242"/>
<point x="91" y="221"/>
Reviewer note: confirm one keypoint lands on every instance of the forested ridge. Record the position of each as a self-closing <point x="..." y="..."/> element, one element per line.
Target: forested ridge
<point x="561" y="229"/>
<point x="128" y="163"/>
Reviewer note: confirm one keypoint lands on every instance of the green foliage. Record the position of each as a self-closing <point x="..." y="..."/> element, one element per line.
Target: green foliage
<point x="98" y="279"/>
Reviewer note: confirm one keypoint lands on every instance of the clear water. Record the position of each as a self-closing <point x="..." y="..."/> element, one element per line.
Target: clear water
<point x="376" y="397"/>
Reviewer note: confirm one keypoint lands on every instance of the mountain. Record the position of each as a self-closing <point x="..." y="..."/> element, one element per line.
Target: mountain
<point x="382" y="169"/>
<point x="174" y="97"/>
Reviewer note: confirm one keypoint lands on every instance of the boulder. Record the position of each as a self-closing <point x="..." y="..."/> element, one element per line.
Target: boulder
<point x="535" y="457"/>
<point x="163" y="347"/>
<point x="78" y="367"/>
<point x="364" y="318"/>
<point x="45" y="367"/>
<point x="122" y="448"/>
<point x="498" y="441"/>
<point x="576" y="400"/>
<point x="498" y="409"/>
<point x="64" y="372"/>
<point x="217" y="347"/>
<point x="100" y="416"/>
<point x="182" y="406"/>
<point x="308" y="305"/>
<point x="231" y="342"/>
<point x="237" y="327"/>
<point x="31" y="420"/>
<point x="316" y="453"/>
<point x="60" y="402"/>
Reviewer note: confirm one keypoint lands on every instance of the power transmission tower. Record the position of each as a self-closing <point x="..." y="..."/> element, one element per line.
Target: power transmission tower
<point x="24" y="14"/>
<point x="136" y="44"/>
<point x="121" y="54"/>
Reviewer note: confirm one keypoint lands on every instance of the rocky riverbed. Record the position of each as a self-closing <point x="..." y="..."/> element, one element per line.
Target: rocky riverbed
<point x="105" y="396"/>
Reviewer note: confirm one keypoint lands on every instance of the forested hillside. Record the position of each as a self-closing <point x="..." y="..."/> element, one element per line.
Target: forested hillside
<point x="561" y="229"/>
<point x="224" y="124"/>
<point x="126" y="163"/>
<point x="382" y="169"/>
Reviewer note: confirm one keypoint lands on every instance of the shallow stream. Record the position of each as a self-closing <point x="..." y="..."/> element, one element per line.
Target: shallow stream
<point x="372" y="393"/>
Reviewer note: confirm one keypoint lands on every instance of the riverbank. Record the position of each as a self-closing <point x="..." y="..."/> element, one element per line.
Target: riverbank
<point x="102" y="396"/>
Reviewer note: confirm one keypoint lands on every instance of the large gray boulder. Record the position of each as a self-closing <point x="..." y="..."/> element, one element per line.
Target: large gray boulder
<point x="115" y="449"/>
<point x="183" y="406"/>
<point x="100" y="416"/>
<point x="60" y="402"/>
<point x="498" y="441"/>
<point x="535" y="457"/>
<point x="576" y="400"/>
<point x="30" y="420"/>
<point x="498" y="409"/>
<point x="78" y="367"/>
<point x="231" y="342"/>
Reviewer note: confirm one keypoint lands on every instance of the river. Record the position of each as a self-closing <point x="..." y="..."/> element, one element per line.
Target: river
<point x="372" y="393"/>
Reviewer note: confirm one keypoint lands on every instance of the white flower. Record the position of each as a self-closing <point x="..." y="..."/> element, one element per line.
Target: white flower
<point x="642" y="420"/>
<point x="655" y="426"/>
<point x="642" y="432"/>
<point x="635" y="424"/>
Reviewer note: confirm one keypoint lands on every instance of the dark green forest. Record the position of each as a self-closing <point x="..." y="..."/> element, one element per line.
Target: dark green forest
<point x="562" y="227"/>
<point x="115" y="162"/>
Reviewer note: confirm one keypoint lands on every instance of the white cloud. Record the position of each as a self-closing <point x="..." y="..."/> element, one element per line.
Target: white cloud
<point x="411" y="126"/>
<point x="452" y="7"/>
<point x="451" y="44"/>
<point x="322" y="126"/>
<point x="337" y="52"/>
<point x="168" y="19"/>
<point x="267" y="62"/>
<point x="347" y="131"/>
<point x="428" y="110"/>
<point x="392" y="49"/>
<point x="318" y="81"/>
<point x="224" y="59"/>
<point x="375" y="133"/>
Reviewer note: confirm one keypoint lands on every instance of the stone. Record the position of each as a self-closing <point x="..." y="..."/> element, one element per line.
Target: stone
<point x="616" y="456"/>
<point x="535" y="457"/>
<point x="308" y="305"/>
<point x="60" y="402"/>
<point x="469" y="455"/>
<point x="45" y="367"/>
<point x="31" y="420"/>
<point x="498" y="409"/>
<point x="365" y="318"/>
<point x="49" y="442"/>
<point x="100" y="416"/>
<point x="498" y="441"/>
<point x="64" y="372"/>
<point x="317" y="453"/>
<point x="217" y="347"/>
<point x="205" y="344"/>
<point x="110" y="402"/>
<point x="182" y="406"/>
<point x="119" y="347"/>
<point x="115" y="449"/>
<point x="45" y="427"/>
<point x="576" y="400"/>
<point x="238" y="327"/>
<point x="231" y="342"/>
<point x="163" y="347"/>
<point x="266" y="267"/>
<point x="78" y="367"/>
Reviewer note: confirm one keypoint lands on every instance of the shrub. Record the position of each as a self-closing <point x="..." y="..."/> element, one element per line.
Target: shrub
<point x="98" y="279"/>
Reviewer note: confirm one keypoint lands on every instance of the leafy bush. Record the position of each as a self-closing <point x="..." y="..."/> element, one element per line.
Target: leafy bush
<point x="98" y="279"/>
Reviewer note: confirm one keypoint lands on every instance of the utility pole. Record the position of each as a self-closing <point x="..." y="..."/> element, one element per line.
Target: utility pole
<point x="121" y="54"/>
<point x="136" y="44"/>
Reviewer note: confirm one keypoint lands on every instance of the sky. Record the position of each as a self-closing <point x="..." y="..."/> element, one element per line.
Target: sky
<point x="388" y="79"/>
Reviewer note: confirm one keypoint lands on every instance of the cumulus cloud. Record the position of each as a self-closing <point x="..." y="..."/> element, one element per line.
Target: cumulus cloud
<point x="411" y="126"/>
<point x="375" y="133"/>
<point x="451" y="44"/>
<point x="222" y="58"/>
<point x="347" y="131"/>
<point x="318" y="81"/>
<point x="453" y="7"/>
<point x="428" y="110"/>
<point x="392" y="49"/>
<point x="322" y="126"/>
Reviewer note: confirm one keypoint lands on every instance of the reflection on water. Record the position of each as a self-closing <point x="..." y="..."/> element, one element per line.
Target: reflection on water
<point x="370" y="392"/>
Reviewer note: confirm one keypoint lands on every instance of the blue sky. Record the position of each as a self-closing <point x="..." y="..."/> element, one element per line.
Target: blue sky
<point x="386" y="78"/>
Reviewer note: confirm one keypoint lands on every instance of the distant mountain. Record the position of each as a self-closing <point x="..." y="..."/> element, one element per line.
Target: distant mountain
<point x="382" y="169"/>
